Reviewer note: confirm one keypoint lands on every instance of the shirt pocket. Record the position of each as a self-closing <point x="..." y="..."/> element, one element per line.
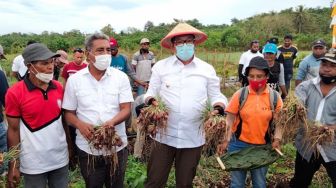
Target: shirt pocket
<point x="111" y="99"/>
<point x="86" y="98"/>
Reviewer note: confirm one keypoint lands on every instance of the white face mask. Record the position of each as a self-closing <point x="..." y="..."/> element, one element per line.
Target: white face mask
<point x="102" y="61"/>
<point x="44" y="77"/>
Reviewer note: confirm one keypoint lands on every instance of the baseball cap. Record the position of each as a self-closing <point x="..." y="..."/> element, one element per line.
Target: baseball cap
<point x="2" y="54"/>
<point x="144" y="40"/>
<point x="258" y="63"/>
<point x="63" y="56"/>
<point x="270" y="48"/>
<point x="113" y="43"/>
<point x="37" y="52"/>
<point x="319" y="42"/>
<point x="274" y="40"/>
<point x="330" y="56"/>
<point x="80" y="50"/>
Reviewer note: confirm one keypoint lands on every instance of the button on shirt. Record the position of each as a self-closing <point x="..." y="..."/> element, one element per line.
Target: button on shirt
<point x="185" y="90"/>
<point x="321" y="109"/>
<point x="96" y="102"/>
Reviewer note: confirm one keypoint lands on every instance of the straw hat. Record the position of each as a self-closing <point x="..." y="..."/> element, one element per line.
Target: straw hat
<point x="183" y="29"/>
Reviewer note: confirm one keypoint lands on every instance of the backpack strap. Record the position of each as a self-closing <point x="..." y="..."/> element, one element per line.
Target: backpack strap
<point x="243" y="96"/>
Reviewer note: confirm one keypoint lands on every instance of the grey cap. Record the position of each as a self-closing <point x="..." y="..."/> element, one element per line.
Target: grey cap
<point x="319" y="42"/>
<point x="37" y="52"/>
<point x="330" y="56"/>
<point x="2" y="54"/>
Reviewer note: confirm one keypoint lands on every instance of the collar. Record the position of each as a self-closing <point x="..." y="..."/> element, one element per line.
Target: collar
<point x="31" y="86"/>
<point x="194" y="61"/>
<point x="108" y="71"/>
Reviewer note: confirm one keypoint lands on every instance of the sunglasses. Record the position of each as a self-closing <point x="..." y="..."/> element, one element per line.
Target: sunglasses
<point x="78" y="50"/>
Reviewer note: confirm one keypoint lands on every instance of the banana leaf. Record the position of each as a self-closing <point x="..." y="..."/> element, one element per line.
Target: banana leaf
<point x="249" y="158"/>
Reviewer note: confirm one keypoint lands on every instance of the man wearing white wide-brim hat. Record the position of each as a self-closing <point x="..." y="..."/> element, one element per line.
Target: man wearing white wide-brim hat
<point x="184" y="83"/>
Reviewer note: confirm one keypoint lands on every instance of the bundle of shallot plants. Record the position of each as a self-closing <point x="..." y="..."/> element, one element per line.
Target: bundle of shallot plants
<point x="215" y="129"/>
<point x="318" y="134"/>
<point x="153" y="119"/>
<point x="11" y="155"/>
<point x="106" y="138"/>
<point x="291" y="118"/>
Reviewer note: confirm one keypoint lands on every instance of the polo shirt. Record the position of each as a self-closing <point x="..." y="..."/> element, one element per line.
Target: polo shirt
<point x="255" y="114"/>
<point x="96" y="102"/>
<point x="42" y="136"/>
<point x="72" y="68"/>
<point x="143" y="63"/>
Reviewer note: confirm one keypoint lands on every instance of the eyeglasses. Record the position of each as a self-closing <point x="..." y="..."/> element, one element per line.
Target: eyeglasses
<point x="78" y="50"/>
<point x="181" y="42"/>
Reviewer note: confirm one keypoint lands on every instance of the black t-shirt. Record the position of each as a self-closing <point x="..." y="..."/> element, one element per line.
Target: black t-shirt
<point x="288" y="54"/>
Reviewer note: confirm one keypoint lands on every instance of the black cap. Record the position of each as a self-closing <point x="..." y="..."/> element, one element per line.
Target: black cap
<point x="319" y="42"/>
<point x="274" y="40"/>
<point x="258" y="63"/>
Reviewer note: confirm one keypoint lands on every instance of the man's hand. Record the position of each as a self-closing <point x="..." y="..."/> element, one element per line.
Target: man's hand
<point x="221" y="148"/>
<point x="108" y="124"/>
<point x="13" y="177"/>
<point x="86" y="130"/>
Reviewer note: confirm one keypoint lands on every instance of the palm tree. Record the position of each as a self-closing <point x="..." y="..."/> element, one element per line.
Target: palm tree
<point x="300" y="18"/>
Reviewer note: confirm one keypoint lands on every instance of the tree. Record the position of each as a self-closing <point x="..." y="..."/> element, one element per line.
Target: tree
<point x="234" y="21"/>
<point x="108" y="30"/>
<point x="148" y="26"/>
<point x="300" y="18"/>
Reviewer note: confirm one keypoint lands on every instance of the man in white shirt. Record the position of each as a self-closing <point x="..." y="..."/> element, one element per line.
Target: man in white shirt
<point x="245" y="59"/>
<point x="19" y="69"/>
<point x="98" y="95"/>
<point x="184" y="83"/>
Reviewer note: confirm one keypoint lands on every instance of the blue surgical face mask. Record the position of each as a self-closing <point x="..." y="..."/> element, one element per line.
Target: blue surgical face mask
<point x="185" y="51"/>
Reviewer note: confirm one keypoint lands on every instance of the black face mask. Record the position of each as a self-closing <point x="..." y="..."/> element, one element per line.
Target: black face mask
<point x="328" y="80"/>
<point x="144" y="51"/>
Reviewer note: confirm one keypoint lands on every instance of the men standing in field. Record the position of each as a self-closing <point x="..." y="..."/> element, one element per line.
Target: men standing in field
<point x="245" y="59"/>
<point x="184" y="83"/>
<point x="60" y="62"/>
<point x="142" y="62"/>
<point x="3" y="89"/>
<point x="309" y="66"/>
<point x="33" y="111"/>
<point x="319" y="97"/>
<point x="289" y="53"/>
<point x="74" y="66"/>
<point x="99" y="95"/>
<point x="120" y="61"/>
<point x="19" y="69"/>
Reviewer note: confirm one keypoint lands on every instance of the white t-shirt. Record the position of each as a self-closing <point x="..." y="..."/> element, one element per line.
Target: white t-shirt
<point x="246" y="57"/>
<point x="19" y="66"/>
<point x="96" y="102"/>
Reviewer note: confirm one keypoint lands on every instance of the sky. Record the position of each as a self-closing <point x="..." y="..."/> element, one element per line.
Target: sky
<point x="89" y="16"/>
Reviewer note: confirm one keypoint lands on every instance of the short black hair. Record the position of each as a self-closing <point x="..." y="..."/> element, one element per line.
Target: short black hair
<point x="288" y="36"/>
<point x="254" y="42"/>
<point x="78" y="50"/>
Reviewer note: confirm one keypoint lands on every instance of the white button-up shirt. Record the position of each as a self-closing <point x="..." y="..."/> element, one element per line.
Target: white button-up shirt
<point x="185" y="90"/>
<point x="96" y="102"/>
